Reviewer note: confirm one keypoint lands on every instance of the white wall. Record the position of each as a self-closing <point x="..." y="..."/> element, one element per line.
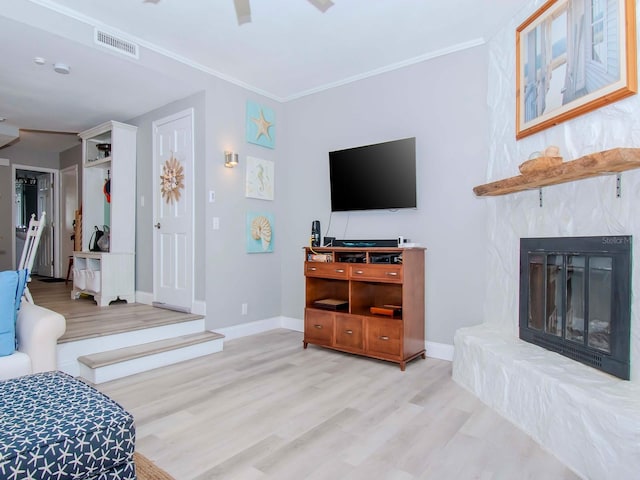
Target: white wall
<point x="225" y="275"/>
<point x="442" y="103"/>
<point x="582" y="208"/>
<point x="145" y="185"/>
<point x="234" y="276"/>
<point x="588" y="419"/>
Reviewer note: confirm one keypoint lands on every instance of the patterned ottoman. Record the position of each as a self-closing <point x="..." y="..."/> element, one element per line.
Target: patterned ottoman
<point x="53" y="426"/>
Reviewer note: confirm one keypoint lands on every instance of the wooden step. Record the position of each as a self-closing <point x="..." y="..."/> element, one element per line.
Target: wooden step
<point x="105" y="366"/>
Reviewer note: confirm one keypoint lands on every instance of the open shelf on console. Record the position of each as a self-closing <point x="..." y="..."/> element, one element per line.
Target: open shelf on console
<point x="383" y="255"/>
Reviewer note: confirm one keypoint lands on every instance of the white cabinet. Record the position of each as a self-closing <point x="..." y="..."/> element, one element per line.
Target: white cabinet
<point x="106" y="276"/>
<point x="109" y="203"/>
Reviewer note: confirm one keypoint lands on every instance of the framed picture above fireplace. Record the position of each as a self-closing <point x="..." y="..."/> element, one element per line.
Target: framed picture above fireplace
<point x="573" y="57"/>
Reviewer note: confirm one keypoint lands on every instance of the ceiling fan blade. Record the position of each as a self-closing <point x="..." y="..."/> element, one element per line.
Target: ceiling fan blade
<point x="243" y="11"/>
<point x="322" y="5"/>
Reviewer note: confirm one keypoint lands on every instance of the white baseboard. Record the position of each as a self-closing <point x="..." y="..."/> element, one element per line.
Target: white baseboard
<point x="441" y="351"/>
<point x="251" y="328"/>
<point x="294" y="324"/>
<point x="198" y="308"/>
<point x="259" y="326"/>
<point x="144" y="297"/>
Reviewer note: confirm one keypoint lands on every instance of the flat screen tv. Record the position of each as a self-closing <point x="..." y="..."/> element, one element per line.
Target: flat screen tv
<point x="374" y="177"/>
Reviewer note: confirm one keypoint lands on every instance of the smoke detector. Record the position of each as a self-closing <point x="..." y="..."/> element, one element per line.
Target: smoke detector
<point x="61" y="68"/>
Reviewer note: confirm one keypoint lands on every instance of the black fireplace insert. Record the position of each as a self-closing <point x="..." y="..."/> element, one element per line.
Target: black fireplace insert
<point x="575" y="298"/>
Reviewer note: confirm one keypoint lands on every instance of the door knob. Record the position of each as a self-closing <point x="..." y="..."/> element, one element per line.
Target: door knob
<point x="157" y="225"/>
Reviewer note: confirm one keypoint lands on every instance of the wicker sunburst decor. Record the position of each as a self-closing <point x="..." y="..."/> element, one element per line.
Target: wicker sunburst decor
<point x="171" y="180"/>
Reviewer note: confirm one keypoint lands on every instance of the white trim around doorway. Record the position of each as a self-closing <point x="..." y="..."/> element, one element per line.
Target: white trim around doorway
<point x="55" y="217"/>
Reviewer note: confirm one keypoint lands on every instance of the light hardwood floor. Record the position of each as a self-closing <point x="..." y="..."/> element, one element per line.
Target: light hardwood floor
<point x="264" y="408"/>
<point x="85" y="319"/>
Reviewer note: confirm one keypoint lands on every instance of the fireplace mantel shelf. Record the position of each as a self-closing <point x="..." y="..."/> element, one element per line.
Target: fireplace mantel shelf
<point x="595" y="164"/>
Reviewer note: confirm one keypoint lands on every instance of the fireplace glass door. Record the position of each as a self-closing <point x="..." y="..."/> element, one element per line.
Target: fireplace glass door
<point x="576" y="300"/>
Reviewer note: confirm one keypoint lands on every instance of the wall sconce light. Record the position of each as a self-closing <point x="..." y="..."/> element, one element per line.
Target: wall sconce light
<point x="230" y="159"/>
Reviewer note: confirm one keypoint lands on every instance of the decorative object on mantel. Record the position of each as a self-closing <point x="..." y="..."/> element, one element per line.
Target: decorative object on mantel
<point x="603" y="49"/>
<point x="595" y="164"/>
<point x="171" y="180"/>
<point x="539" y="161"/>
<point x="552" y="151"/>
<point x="539" y="164"/>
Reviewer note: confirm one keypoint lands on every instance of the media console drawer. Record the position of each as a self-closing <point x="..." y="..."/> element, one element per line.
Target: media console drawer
<point x="383" y="336"/>
<point x="325" y="270"/>
<point x="318" y="326"/>
<point x="349" y="332"/>
<point x="383" y="273"/>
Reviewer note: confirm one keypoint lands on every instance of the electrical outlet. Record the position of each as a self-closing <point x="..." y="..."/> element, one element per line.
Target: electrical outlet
<point x="216" y="223"/>
<point x="245" y="307"/>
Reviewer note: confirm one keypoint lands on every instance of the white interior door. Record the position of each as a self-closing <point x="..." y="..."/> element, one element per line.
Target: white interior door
<point x="173" y="211"/>
<point x="68" y="207"/>
<point x="43" y="264"/>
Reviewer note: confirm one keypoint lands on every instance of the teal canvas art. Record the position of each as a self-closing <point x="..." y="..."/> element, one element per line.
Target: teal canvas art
<point x="260" y="233"/>
<point x="261" y="125"/>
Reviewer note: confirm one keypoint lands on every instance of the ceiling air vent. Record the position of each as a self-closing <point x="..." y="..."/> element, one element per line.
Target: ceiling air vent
<point x="114" y="43"/>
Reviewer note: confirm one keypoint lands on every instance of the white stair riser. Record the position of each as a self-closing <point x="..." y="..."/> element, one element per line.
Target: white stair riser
<point x="149" y="362"/>
<point x="69" y="352"/>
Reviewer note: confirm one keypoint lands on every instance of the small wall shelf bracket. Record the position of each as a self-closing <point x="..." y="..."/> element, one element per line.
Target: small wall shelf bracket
<point x="540" y="196"/>
<point x="618" y="185"/>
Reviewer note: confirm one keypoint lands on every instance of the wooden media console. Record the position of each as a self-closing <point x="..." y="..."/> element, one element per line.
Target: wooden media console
<point x="354" y="276"/>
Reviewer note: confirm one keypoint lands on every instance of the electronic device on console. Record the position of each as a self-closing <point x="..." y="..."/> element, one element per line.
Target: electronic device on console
<point x="385" y="258"/>
<point x="315" y="233"/>
<point x="365" y="243"/>
<point x="351" y="257"/>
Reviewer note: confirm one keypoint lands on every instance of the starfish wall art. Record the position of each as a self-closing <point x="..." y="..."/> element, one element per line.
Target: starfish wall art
<point x="261" y="127"/>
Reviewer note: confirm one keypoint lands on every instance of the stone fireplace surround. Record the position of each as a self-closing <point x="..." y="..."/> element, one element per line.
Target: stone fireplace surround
<point x="588" y="419"/>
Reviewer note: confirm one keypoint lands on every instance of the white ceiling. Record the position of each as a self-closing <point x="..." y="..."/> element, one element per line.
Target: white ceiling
<point x="290" y="49"/>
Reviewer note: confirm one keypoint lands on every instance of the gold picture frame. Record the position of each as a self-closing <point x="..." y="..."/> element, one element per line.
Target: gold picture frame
<point x="585" y="57"/>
